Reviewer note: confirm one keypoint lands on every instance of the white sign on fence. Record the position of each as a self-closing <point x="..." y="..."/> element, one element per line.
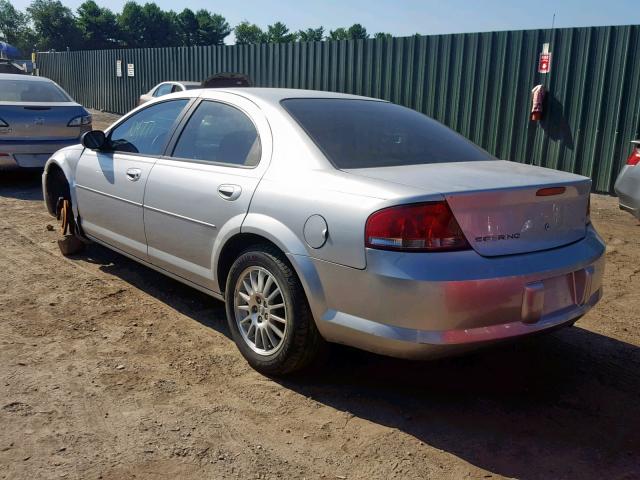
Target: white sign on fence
<point x="118" y="68"/>
<point x="130" y="70"/>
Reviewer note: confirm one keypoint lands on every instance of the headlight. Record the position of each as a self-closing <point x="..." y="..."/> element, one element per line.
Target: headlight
<point x="3" y="123"/>
<point x="79" y="121"/>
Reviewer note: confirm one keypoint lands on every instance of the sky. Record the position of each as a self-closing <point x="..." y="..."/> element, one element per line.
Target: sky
<point x="406" y="17"/>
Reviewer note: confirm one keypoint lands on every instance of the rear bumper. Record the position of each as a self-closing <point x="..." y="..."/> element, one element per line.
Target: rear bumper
<point x="30" y="154"/>
<point x="427" y="305"/>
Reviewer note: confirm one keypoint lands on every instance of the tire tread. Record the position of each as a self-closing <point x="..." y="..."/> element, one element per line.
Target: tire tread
<point x="306" y="342"/>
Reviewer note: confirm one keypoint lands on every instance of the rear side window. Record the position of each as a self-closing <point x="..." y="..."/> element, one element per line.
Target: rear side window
<point x="31" y="91"/>
<point x="219" y="133"/>
<point x="366" y="134"/>
<point x="148" y="130"/>
<point x="164" y="89"/>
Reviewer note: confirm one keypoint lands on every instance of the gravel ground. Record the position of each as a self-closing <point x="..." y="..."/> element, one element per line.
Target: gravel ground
<point x="111" y="370"/>
<point x="101" y="120"/>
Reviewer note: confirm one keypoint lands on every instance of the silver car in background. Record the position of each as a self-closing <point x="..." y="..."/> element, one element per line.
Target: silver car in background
<point x="37" y="118"/>
<point x="627" y="186"/>
<point x="320" y="216"/>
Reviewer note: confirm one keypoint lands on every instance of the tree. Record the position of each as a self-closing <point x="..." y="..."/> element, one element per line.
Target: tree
<point x="99" y="26"/>
<point x="338" y="34"/>
<point x="212" y="28"/>
<point x="148" y="26"/>
<point x="131" y="22"/>
<point x="354" y="32"/>
<point x="381" y="35"/>
<point x="357" y="32"/>
<point x="15" y="28"/>
<point x="187" y="27"/>
<point x="248" y="33"/>
<point x="160" y="28"/>
<point x="54" y="24"/>
<point x="279" y="33"/>
<point x="311" y="34"/>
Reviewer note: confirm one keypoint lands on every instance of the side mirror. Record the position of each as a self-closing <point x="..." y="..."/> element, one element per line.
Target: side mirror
<point x="94" y="140"/>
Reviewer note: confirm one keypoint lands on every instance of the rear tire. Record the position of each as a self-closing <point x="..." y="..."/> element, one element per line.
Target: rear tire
<point x="268" y="313"/>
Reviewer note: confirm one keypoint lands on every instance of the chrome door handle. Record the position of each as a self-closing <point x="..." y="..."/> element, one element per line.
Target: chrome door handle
<point x="229" y="192"/>
<point x="133" y="174"/>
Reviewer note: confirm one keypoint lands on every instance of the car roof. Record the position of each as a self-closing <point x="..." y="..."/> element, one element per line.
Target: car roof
<point x="182" y="82"/>
<point x="25" y="78"/>
<point x="275" y="95"/>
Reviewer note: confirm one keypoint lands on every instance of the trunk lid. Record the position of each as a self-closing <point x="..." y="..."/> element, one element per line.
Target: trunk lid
<point x="498" y="204"/>
<point x="39" y="121"/>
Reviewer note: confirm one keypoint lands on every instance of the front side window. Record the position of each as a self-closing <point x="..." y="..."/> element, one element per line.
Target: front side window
<point x="367" y="134"/>
<point x="148" y="130"/>
<point x="219" y="133"/>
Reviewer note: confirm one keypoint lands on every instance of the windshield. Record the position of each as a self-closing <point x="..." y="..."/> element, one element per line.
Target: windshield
<point x="31" y="91"/>
<point x="367" y="133"/>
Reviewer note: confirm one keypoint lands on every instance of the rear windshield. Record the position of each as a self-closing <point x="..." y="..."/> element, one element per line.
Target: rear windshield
<point x="31" y="91"/>
<point x="366" y="133"/>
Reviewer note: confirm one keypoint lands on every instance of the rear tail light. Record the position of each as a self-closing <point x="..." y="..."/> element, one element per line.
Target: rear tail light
<point x="420" y="227"/>
<point x="80" y="121"/>
<point x="634" y="158"/>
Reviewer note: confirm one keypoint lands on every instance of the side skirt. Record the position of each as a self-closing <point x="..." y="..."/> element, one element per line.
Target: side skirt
<point x="216" y="295"/>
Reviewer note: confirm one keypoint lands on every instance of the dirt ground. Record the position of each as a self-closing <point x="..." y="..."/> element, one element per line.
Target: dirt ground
<point x="110" y="370"/>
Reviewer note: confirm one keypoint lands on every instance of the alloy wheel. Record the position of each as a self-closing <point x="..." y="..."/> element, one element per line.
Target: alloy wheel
<point x="260" y="310"/>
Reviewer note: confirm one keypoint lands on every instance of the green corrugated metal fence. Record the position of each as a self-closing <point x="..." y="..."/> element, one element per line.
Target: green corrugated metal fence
<point x="477" y="83"/>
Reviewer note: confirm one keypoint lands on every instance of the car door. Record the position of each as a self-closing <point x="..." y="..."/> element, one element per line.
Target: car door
<point x="110" y="183"/>
<point x="205" y="184"/>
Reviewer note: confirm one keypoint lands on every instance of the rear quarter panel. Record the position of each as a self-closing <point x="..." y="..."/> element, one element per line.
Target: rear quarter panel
<point x="300" y="183"/>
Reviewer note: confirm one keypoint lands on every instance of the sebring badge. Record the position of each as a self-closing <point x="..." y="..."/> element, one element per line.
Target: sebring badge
<point x="494" y="238"/>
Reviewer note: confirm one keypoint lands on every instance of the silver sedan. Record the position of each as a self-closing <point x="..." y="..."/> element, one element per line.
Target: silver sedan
<point x="37" y="118"/>
<point x="320" y="217"/>
<point x="627" y="185"/>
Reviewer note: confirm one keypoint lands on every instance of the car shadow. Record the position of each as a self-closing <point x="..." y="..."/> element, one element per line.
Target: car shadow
<point x="186" y="300"/>
<point x="562" y="405"/>
<point x="24" y="184"/>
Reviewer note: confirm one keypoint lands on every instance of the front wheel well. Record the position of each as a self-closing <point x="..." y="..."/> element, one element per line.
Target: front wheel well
<point x="56" y="186"/>
<point x="232" y="249"/>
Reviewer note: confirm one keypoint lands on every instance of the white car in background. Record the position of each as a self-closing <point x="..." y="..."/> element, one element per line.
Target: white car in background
<point x="627" y="185"/>
<point x="165" y="88"/>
